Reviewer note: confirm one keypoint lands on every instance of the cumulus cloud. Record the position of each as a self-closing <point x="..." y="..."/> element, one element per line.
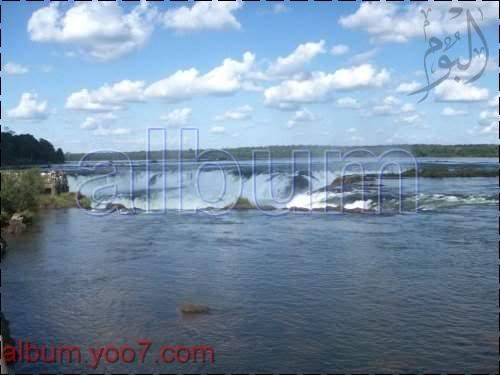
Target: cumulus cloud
<point x="178" y="117"/>
<point x="300" y="116"/>
<point x="320" y="86"/>
<point x="228" y="78"/>
<point x="388" y="22"/>
<point x="392" y="106"/>
<point x="237" y="114"/>
<point x="449" y="111"/>
<point x="408" y="87"/>
<point x="99" y="125"/>
<point x="339" y="49"/>
<point x="106" y="98"/>
<point x="487" y="123"/>
<point x="295" y="61"/>
<point x="14" y="69"/>
<point x="29" y="108"/>
<point x="348" y="102"/>
<point x="101" y="30"/>
<point x="453" y="91"/>
<point x="223" y="80"/>
<point x="203" y="15"/>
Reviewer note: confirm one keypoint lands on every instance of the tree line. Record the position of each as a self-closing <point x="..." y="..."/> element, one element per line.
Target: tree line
<point x="245" y="153"/>
<point x="24" y="149"/>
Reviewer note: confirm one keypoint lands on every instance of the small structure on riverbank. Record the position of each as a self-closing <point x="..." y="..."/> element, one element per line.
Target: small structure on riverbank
<point x="55" y="182"/>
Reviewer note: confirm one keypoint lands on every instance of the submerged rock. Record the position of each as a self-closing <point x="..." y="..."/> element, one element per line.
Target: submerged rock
<point x="115" y="206"/>
<point x="244" y="204"/>
<point x="349" y="182"/>
<point x="190" y="308"/>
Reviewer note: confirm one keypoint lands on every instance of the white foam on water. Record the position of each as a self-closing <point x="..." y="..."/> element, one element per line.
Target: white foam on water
<point x="359" y="205"/>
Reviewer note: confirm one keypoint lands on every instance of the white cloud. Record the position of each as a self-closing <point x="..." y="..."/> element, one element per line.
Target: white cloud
<point x="106" y="98"/>
<point x="410" y="119"/>
<point x="388" y="106"/>
<point x="225" y="79"/>
<point x="408" y="87"/>
<point x="222" y="80"/>
<point x="339" y="49"/>
<point x="295" y="61"/>
<point x="453" y="91"/>
<point x="101" y="30"/>
<point x="90" y="122"/>
<point x="391" y="100"/>
<point x="491" y="128"/>
<point x="320" y="86"/>
<point x="302" y="115"/>
<point x="493" y="102"/>
<point x="237" y="114"/>
<point x="348" y="102"/>
<point x="29" y="108"/>
<point x="477" y="65"/>
<point x="391" y="105"/>
<point x="384" y="110"/>
<point x="178" y="117"/>
<point x="388" y="22"/>
<point x="106" y="132"/>
<point x="203" y="15"/>
<point x="14" y="69"/>
<point x="449" y="111"/>
<point x="100" y="125"/>
<point x="488" y="115"/>
<point x="408" y="108"/>
<point x="217" y="129"/>
<point x="364" y="57"/>
<point x="487" y="123"/>
<point x="99" y="120"/>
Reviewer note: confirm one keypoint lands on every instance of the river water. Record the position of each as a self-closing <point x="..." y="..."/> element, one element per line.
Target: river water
<point x="295" y="292"/>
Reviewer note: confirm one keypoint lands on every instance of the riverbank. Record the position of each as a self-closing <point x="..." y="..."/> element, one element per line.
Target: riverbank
<point x="26" y="192"/>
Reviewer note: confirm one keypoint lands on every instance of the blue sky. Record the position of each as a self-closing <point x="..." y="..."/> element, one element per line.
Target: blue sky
<point x="93" y="75"/>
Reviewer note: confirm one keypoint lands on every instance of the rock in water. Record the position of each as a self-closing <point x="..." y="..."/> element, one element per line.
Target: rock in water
<point x="189" y="308"/>
<point x="16" y="224"/>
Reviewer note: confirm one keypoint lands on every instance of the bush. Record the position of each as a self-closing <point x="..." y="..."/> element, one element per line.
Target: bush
<point x="21" y="190"/>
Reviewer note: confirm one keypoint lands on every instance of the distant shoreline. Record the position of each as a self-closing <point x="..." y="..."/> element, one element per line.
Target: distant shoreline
<point x="245" y="153"/>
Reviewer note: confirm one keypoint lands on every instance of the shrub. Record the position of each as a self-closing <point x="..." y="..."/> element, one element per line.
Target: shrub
<point x="21" y="190"/>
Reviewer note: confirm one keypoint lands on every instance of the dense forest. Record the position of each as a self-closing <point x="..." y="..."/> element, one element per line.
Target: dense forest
<point x="245" y="153"/>
<point x="24" y="149"/>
